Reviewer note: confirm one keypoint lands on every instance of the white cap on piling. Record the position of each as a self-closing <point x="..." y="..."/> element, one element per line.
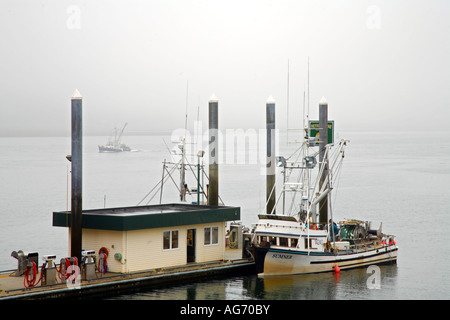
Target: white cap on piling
<point x="270" y="100"/>
<point x="76" y="94"/>
<point x="213" y="98"/>
<point x="323" y="101"/>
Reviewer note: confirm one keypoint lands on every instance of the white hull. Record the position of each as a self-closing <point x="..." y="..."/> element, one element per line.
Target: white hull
<point x="305" y="238"/>
<point x="110" y="149"/>
<point x="291" y="261"/>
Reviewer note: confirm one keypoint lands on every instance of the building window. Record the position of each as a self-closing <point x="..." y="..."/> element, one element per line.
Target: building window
<point x="211" y="235"/>
<point x="170" y="240"/>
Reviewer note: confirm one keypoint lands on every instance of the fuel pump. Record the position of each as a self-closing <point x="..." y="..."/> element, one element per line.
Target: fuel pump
<point x="88" y="265"/>
<point x="48" y="270"/>
<point x="24" y="260"/>
<point x="65" y="264"/>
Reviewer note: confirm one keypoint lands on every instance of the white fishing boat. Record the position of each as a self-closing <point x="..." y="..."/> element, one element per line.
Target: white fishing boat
<point x="115" y="145"/>
<point x="304" y="238"/>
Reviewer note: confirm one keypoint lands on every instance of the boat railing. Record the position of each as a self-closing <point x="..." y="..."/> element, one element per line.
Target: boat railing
<point x="365" y="245"/>
<point x="359" y="246"/>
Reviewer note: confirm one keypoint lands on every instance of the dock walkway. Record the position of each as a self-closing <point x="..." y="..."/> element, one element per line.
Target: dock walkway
<point x="12" y="287"/>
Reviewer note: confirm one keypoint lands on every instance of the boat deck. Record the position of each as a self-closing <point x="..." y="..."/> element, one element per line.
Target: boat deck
<point x="12" y="287"/>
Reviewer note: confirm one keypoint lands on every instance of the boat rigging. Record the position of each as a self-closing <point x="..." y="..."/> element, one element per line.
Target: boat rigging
<point x="305" y="238"/>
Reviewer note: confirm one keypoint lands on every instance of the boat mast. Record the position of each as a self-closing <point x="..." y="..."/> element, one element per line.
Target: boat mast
<point x="307" y="115"/>
<point x="306" y="196"/>
<point x="306" y="140"/>
<point x="287" y="106"/>
<point x="183" y="153"/>
<point x="182" y="146"/>
<point x="121" y="133"/>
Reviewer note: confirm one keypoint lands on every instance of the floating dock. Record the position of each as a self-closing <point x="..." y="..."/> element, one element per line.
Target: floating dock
<point x="132" y="248"/>
<point x="110" y="284"/>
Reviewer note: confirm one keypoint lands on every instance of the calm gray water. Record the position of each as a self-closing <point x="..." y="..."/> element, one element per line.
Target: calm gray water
<point x="401" y="179"/>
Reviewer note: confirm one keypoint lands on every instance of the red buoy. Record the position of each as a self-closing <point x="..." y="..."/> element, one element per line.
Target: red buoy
<point x="337" y="269"/>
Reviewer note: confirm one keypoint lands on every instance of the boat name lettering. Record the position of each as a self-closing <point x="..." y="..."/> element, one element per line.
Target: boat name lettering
<point x="281" y="256"/>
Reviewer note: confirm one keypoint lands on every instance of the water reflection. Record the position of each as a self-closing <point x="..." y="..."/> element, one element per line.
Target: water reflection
<point x="351" y="284"/>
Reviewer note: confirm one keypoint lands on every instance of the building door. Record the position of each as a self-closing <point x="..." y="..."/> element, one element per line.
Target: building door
<point x="190" y="245"/>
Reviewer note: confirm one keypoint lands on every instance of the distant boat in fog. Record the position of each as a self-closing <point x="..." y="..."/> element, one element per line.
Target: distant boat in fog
<point x="115" y="145"/>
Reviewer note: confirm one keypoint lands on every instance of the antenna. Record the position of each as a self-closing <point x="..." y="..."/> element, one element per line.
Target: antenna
<point x="183" y="152"/>
<point x="198" y="122"/>
<point x="287" y="120"/>
<point x="308" y="88"/>
<point x="303" y="107"/>
<point x="185" y="121"/>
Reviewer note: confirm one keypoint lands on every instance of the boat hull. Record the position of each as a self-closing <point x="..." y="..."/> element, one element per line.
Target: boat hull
<point x="260" y="254"/>
<point x="104" y="149"/>
<point x="288" y="262"/>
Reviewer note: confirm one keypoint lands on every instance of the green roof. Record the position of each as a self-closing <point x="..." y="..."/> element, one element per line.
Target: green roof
<point x="148" y="217"/>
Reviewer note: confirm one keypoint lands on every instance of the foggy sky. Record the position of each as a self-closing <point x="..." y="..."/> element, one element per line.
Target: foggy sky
<point x="381" y="65"/>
